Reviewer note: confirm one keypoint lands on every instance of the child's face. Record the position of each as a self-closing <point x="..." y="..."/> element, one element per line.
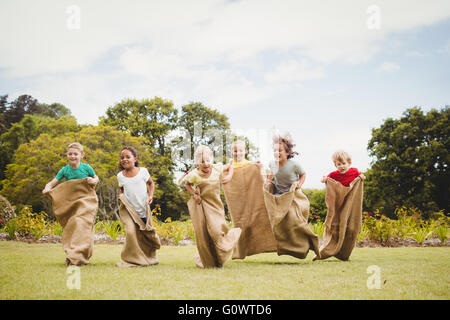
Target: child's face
<point x="206" y="164"/>
<point x="127" y="159"/>
<point x="74" y="156"/>
<point x="342" y="166"/>
<point x="279" y="152"/>
<point x="239" y="152"/>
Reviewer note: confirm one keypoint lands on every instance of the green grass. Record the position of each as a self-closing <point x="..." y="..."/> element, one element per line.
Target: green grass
<point x="37" y="271"/>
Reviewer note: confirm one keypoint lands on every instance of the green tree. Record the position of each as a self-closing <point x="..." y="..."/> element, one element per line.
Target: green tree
<point x="197" y="125"/>
<point x="410" y="166"/>
<point x="150" y="118"/>
<point x="13" y="112"/>
<point x="38" y="161"/>
<point x="29" y="128"/>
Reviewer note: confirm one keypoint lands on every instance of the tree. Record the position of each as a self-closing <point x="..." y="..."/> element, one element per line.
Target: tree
<point x="29" y="128"/>
<point x="410" y="167"/>
<point x="14" y="111"/>
<point x="150" y="118"/>
<point x="197" y="125"/>
<point x="38" y="161"/>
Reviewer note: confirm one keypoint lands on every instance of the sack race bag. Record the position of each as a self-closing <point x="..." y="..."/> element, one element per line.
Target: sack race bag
<point x="75" y="205"/>
<point x="344" y="218"/>
<point x="215" y="240"/>
<point x="245" y="201"/>
<point x="141" y="240"/>
<point x="288" y="216"/>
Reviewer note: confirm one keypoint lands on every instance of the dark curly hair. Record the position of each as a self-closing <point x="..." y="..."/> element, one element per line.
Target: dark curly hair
<point x="287" y="143"/>
<point x="133" y="152"/>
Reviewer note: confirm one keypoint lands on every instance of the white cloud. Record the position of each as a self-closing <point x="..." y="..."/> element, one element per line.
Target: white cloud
<point x="388" y="67"/>
<point x="292" y="72"/>
<point x="201" y="32"/>
<point x="415" y="53"/>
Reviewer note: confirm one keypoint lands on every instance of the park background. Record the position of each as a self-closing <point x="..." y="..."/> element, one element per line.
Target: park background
<point x="370" y="78"/>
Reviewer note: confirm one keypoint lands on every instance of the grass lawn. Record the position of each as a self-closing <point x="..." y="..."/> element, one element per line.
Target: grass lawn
<point x="37" y="271"/>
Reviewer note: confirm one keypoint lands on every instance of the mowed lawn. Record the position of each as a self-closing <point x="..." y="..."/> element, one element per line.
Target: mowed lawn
<point x="37" y="271"/>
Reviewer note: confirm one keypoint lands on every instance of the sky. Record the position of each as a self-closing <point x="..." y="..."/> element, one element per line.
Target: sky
<point x="327" y="72"/>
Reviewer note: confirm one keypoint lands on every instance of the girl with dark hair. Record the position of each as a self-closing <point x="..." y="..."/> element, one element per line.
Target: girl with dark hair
<point x="136" y="195"/>
<point x="284" y="171"/>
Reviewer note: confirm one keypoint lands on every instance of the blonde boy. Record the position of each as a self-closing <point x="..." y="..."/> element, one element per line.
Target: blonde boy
<point x="75" y="169"/>
<point x="344" y="173"/>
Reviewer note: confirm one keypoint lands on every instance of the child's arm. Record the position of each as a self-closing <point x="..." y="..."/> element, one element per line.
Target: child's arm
<point x="50" y="185"/>
<point x="193" y="193"/>
<point x="151" y="189"/>
<point x="230" y="169"/>
<point x="324" y="179"/>
<point x="301" y="180"/>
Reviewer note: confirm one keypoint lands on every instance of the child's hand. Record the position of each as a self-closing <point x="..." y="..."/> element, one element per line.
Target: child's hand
<point x="91" y="181"/>
<point x="324" y="179"/>
<point x="46" y="189"/>
<point x="226" y="179"/>
<point x="362" y="176"/>
<point x="150" y="199"/>
<point x="197" y="198"/>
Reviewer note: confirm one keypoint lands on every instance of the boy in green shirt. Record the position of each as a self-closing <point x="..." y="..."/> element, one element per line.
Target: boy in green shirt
<point x="75" y="169"/>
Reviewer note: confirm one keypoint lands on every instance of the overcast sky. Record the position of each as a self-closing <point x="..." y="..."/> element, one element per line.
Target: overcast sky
<point x="325" y="71"/>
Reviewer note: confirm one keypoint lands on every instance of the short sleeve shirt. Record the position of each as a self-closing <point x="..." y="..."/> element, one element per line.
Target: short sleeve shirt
<point x="345" y="178"/>
<point x="193" y="177"/>
<point x="83" y="171"/>
<point x="285" y="176"/>
<point x="135" y="190"/>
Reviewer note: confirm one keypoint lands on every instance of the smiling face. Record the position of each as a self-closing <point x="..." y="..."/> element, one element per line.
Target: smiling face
<point x="127" y="159"/>
<point x="74" y="157"/>
<point x="342" y="165"/>
<point x="239" y="151"/>
<point x="206" y="163"/>
<point x="279" y="152"/>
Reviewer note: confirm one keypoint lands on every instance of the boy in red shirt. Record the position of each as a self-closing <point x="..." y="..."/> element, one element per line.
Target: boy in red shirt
<point x="344" y="174"/>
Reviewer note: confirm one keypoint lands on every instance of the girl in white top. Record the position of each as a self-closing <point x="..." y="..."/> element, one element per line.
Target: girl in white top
<point x="134" y="180"/>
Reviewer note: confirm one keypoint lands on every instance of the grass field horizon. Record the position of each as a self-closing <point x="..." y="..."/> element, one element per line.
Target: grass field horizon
<point x="37" y="271"/>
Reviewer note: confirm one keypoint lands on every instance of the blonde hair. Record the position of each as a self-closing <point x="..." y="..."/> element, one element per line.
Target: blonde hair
<point x="200" y="151"/>
<point x="341" y="156"/>
<point x="242" y="142"/>
<point x="76" y="145"/>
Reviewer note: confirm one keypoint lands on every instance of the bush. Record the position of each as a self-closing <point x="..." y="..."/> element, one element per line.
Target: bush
<point x="30" y="224"/>
<point x="7" y="211"/>
<point x="317" y="203"/>
<point x="10" y="228"/>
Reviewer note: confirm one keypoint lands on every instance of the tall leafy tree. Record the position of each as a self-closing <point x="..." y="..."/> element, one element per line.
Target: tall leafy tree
<point x="13" y="112"/>
<point x="150" y="118"/>
<point x="38" y="161"/>
<point x="29" y="128"/>
<point x="197" y="125"/>
<point x="411" y="158"/>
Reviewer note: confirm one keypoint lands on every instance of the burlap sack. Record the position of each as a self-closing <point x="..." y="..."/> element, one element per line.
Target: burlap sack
<point x="288" y="216"/>
<point x="215" y="240"/>
<point x="344" y="219"/>
<point x="75" y="205"/>
<point x="245" y="201"/>
<point x="141" y="240"/>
